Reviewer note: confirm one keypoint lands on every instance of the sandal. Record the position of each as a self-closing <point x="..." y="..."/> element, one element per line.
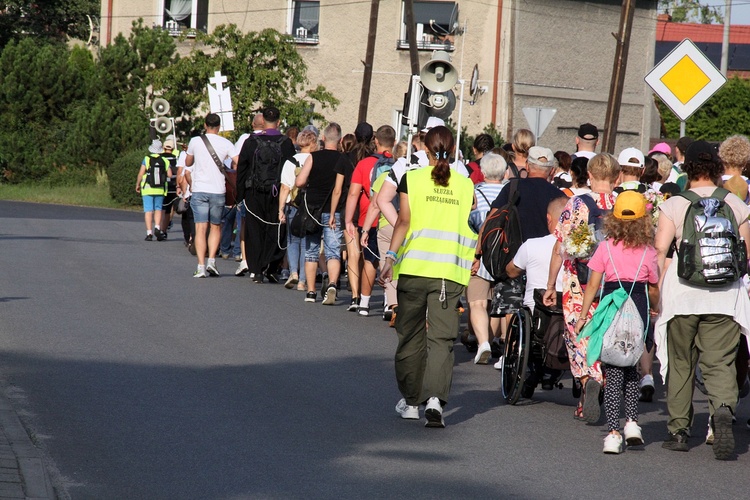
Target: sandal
<point x="578" y="413"/>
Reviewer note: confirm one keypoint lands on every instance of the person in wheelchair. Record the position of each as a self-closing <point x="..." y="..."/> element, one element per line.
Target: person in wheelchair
<point x="533" y="258"/>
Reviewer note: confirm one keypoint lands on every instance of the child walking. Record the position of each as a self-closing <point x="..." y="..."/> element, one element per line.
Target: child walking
<point x="625" y="258"/>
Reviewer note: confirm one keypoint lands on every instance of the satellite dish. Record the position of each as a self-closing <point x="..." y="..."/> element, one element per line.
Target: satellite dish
<point x="474" y="85"/>
<point x="160" y="106"/>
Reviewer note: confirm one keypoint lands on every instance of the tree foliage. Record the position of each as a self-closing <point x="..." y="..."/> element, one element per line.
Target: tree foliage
<point x="262" y="68"/>
<point x="726" y="113"/>
<point x="691" y="11"/>
<point x="46" y="19"/>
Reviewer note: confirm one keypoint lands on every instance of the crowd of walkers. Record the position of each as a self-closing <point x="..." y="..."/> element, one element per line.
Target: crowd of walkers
<point x="336" y="215"/>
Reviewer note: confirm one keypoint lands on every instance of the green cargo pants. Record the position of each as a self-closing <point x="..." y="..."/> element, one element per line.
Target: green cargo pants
<point x="708" y="339"/>
<point x="424" y="356"/>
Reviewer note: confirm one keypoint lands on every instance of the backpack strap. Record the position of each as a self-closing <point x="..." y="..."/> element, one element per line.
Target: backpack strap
<point x="483" y="196"/>
<point x="594" y="210"/>
<point x="643" y="257"/>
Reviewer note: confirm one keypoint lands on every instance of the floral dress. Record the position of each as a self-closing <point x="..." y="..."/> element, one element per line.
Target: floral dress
<point x="575" y="214"/>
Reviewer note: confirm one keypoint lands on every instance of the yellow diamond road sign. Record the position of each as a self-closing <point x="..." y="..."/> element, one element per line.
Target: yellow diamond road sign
<point x="685" y="79"/>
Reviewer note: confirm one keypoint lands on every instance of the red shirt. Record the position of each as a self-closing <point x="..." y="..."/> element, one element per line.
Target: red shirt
<point x="476" y="175"/>
<point x="361" y="175"/>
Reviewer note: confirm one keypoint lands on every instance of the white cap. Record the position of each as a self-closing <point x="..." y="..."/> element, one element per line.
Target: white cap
<point x="155" y="147"/>
<point x="433" y="122"/>
<point x="628" y="155"/>
<point x="538" y="152"/>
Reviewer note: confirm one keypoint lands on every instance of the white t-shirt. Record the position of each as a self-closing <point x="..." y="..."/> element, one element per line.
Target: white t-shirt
<point x="534" y="256"/>
<point x="584" y="154"/>
<point x="207" y="178"/>
<point x="287" y="172"/>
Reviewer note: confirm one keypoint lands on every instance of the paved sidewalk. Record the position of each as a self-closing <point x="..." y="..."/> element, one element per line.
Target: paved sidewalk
<point x="22" y="470"/>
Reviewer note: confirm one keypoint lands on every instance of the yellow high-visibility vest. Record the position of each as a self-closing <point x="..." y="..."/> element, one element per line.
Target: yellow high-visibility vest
<point x="439" y="243"/>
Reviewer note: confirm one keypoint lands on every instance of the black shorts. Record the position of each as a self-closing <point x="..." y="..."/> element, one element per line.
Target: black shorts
<point x="507" y="296"/>
<point x="371" y="253"/>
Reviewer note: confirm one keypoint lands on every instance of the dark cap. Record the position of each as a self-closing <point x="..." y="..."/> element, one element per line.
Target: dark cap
<point x="271" y="114"/>
<point x="363" y="132"/>
<point x="588" y="132"/>
<point x="701" y="151"/>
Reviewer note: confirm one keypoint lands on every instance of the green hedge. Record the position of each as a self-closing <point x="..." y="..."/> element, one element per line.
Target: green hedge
<point x="122" y="174"/>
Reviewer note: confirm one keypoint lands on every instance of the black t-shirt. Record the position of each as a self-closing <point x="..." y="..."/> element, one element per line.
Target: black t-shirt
<point x="322" y="178"/>
<point x="534" y="196"/>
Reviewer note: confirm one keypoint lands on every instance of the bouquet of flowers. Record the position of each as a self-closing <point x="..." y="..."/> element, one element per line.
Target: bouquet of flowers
<point x="580" y="241"/>
<point x="653" y="200"/>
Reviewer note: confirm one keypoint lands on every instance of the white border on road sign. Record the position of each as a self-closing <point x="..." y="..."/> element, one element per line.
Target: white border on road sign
<point x="685" y="48"/>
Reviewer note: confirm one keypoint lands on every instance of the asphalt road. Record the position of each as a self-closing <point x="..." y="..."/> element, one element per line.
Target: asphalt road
<point x="138" y="381"/>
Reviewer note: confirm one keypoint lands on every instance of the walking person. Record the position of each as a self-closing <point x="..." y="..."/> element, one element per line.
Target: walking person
<point x="627" y="259"/>
<point x="151" y="183"/>
<point x="430" y="254"/>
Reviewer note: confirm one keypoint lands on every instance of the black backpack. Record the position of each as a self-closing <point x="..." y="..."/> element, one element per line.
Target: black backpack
<point x="501" y="236"/>
<point x="268" y="161"/>
<point x="156" y="173"/>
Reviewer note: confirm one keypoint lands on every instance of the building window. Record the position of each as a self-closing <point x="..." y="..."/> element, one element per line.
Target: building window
<point x="304" y="21"/>
<point x="436" y="25"/>
<point x="182" y="16"/>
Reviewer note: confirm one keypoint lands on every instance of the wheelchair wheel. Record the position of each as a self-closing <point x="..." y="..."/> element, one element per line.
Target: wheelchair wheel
<point x="516" y="360"/>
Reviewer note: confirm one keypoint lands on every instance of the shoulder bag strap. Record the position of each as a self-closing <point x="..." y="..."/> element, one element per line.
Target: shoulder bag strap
<point x="214" y="156"/>
<point x="483" y="196"/>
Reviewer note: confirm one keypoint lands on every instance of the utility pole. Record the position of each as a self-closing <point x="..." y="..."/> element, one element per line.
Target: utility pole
<point x="618" y="76"/>
<point x="369" y="57"/>
<point x="725" y="40"/>
<point x="411" y="35"/>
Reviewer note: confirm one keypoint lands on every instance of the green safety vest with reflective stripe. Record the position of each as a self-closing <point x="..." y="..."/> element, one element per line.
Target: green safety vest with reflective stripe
<point x="147" y="190"/>
<point x="439" y="243"/>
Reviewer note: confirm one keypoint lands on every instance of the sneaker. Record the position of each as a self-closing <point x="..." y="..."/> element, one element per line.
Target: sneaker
<point x="434" y="413"/>
<point x="483" y="354"/>
<point x="676" y="442"/>
<point x="211" y="269"/>
<point x="353" y="305"/>
<point x="149" y="237"/>
<point x="407" y="411"/>
<point x="291" y="281"/>
<point x="613" y="444"/>
<point x="363" y="311"/>
<point x="499" y="364"/>
<point x="224" y="256"/>
<point x="257" y="278"/>
<point x="200" y="272"/>
<point x="271" y="277"/>
<point x="723" y="437"/>
<point x="647" y="389"/>
<point x="591" y="408"/>
<point x="710" y="435"/>
<point x="330" y="296"/>
<point x="160" y="235"/>
<point x="301" y="286"/>
<point x="238" y="258"/>
<point x="242" y="269"/>
<point x="633" y="436"/>
<point x="310" y="296"/>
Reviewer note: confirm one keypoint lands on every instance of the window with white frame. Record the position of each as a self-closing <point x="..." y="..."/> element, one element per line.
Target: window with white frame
<point x="436" y="25"/>
<point x="185" y="16"/>
<point x="304" y="18"/>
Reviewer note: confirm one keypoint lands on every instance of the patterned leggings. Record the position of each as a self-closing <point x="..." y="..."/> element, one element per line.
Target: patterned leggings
<point x="620" y="381"/>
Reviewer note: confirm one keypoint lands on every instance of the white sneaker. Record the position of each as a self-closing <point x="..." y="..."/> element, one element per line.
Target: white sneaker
<point x="499" y="364"/>
<point x="241" y="269"/>
<point x="483" y="354"/>
<point x="613" y="444"/>
<point x="200" y="272"/>
<point x="633" y="436"/>
<point x="710" y="435"/>
<point x="407" y="411"/>
<point x="647" y="389"/>
<point x="211" y="268"/>
<point x="434" y="413"/>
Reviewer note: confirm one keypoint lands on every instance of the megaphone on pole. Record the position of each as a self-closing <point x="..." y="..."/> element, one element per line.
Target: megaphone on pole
<point x="439" y="75"/>
<point x="160" y="106"/>
<point x="163" y="125"/>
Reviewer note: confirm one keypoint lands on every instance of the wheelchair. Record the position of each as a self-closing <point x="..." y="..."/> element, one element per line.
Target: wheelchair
<point x="535" y="351"/>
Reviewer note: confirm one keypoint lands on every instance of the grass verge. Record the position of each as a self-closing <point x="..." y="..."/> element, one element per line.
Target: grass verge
<point x="93" y="195"/>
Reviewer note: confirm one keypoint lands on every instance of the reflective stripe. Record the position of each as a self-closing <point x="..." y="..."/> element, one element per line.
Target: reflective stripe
<point x="448" y="236"/>
<point x="442" y="258"/>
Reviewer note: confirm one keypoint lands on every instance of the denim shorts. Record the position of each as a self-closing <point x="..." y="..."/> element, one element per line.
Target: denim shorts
<point x="331" y="240"/>
<point x="207" y="207"/>
<point x="152" y="203"/>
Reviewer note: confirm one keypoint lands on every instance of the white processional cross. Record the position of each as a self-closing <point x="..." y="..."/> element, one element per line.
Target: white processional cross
<point x="220" y="101"/>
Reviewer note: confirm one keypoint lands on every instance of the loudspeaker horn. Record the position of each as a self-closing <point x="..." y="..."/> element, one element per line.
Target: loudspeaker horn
<point x="160" y="106"/>
<point x="441" y="104"/>
<point x="163" y="125"/>
<point x="439" y="75"/>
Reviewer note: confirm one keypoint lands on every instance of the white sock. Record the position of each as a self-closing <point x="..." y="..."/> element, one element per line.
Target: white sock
<point x="212" y="262"/>
<point x="364" y="301"/>
<point x="148" y="232"/>
<point x="157" y="227"/>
